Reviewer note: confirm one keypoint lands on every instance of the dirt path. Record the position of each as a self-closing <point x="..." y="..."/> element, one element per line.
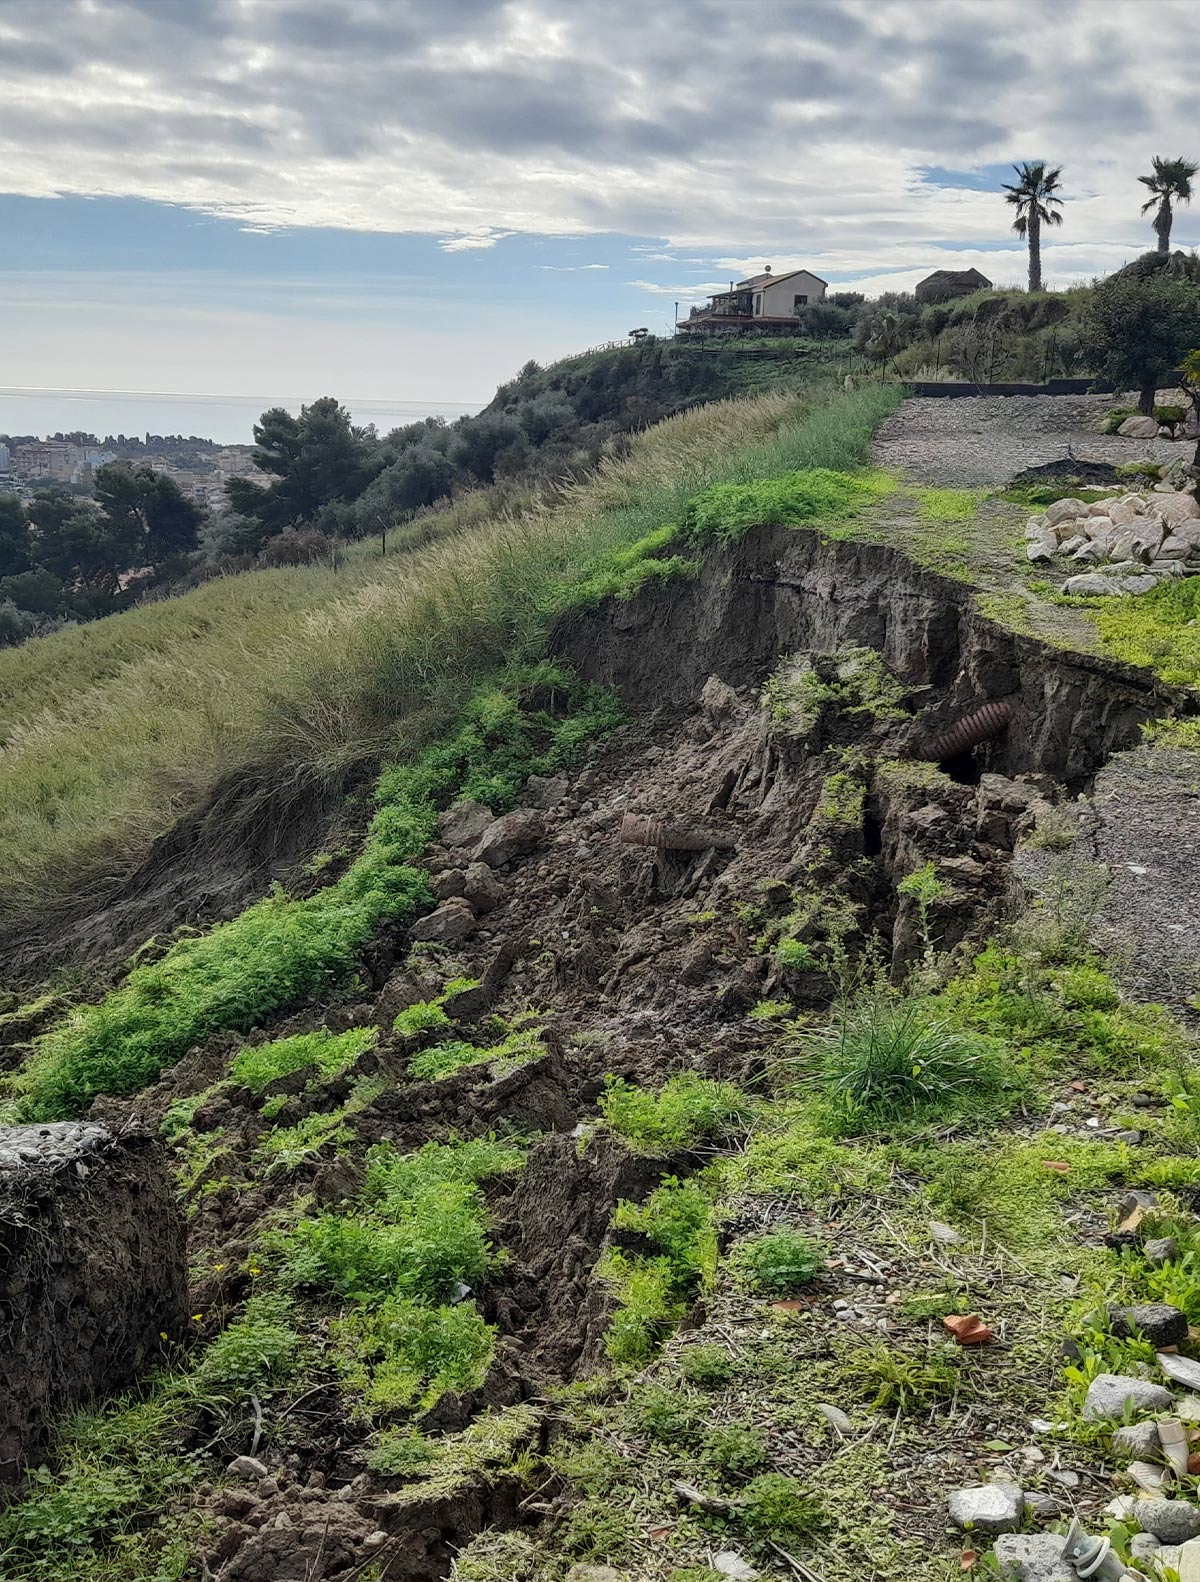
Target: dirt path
<point x="984" y="441"/>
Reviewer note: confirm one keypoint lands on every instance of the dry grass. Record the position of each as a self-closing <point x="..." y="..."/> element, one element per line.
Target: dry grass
<point x="111" y="730"/>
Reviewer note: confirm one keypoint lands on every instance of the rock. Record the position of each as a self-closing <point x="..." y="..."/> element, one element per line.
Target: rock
<point x="447" y="924"/>
<point x="836" y="1419"/>
<point x="1159" y="1250"/>
<point x="718" y="699"/>
<point x="514" y="835"/>
<point x="1072" y="545"/>
<point x="1121" y="1508"/>
<point x="1043" y="1505"/>
<point x="1033" y="1557"/>
<point x="1187" y="1562"/>
<point x="1137" y="584"/>
<point x="463" y="822"/>
<point x="545" y="791"/>
<point x="587" y="1573"/>
<point x="1139" y="428"/>
<point x="1181" y="1369"/>
<point x="991" y="1508"/>
<point x="1041" y="550"/>
<point x="1177" y="508"/>
<point x="1065" y="511"/>
<point x="1171" y="1521"/>
<point x="481" y="887"/>
<point x="1138" y="1440"/>
<point x="1143" y="1545"/>
<point x="1061" y="1475"/>
<point x="1091" y="551"/>
<point x="944" y="1235"/>
<point x="1133" y="1202"/>
<point x="246" y="1467"/>
<point x="730" y="1564"/>
<point x="967" y="1328"/>
<point x="1159" y="1322"/>
<point x="1088" y="585"/>
<point x="447" y="884"/>
<point x="1109" y="1393"/>
<point x="1173" y="548"/>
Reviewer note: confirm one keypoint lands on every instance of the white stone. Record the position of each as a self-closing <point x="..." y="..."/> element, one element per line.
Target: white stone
<point x="1088" y="584"/>
<point x="1137" y="584"/>
<point x="1110" y="1393"/>
<point x="1188" y="1562"/>
<point x="1138" y="1440"/>
<point x="1181" y="1369"/>
<point x="1173" y="548"/>
<point x="1125" y="512"/>
<point x="1064" y="511"/>
<point x="1033" y="1557"/>
<point x="1091" y="551"/>
<point x="730" y="1564"/>
<point x="1172" y="1521"/>
<point x="1143" y="1545"/>
<point x="1069" y="546"/>
<point x="1176" y="508"/>
<point x="991" y="1508"/>
<point x="1139" y="428"/>
<point x="1042" y="549"/>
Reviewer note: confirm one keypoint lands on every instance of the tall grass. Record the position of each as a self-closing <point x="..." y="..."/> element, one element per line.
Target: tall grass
<point x="110" y="731"/>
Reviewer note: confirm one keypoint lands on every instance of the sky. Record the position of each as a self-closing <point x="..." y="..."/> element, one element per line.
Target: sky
<point x="210" y="205"/>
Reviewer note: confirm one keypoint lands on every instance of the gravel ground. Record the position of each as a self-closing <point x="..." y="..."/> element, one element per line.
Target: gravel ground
<point x="984" y="441"/>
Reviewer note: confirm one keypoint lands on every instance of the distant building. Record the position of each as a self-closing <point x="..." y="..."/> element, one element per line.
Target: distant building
<point x="5" y="458"/>
<point x="768" y="302"/>
<point x="943" y="285"/>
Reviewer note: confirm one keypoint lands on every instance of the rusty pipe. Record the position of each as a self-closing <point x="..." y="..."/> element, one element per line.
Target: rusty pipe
<point x="640" y="829"/>
<point x="984" y="725"/>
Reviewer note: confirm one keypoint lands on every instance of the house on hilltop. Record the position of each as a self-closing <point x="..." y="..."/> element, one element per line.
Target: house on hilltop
<point x="765" y="302"/>
<point x="943" y="285"/>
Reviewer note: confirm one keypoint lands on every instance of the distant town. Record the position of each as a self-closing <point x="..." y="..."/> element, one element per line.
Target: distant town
<point x="200" y="467"/>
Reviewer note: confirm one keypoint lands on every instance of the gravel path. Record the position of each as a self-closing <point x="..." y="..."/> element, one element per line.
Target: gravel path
<point x="984" y="441"/>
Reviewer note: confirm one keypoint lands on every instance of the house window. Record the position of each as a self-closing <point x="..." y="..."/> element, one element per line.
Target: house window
<point x="758" y="302"/>
<point x="799" y="302"/>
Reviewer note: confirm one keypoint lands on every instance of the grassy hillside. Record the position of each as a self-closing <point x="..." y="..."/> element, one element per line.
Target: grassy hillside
<point x="112" y="730"/>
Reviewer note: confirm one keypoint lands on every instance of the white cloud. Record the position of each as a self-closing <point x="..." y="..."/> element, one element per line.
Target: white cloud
<point x="801" y="139"/>
<point x="689" y="293"/>
<point x="571" y="269"/>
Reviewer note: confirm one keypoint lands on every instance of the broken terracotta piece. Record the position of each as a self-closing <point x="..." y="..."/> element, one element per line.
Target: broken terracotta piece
<point x="968" y="1329"/>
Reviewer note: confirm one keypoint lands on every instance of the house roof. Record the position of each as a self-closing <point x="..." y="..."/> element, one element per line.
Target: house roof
<point x="756" y="282"/>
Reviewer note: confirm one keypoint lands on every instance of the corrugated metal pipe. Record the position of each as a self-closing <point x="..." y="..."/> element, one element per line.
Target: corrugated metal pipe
<point x="639" y="829"/>
<point x="984" y="725"/>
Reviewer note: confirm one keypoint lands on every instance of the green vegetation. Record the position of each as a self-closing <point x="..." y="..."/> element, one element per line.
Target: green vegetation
<point x="888" y="1058"/>
<point x="520" y="1044"/>
<point x="686" y="1111"/>
<point x="328" y="1054"/>
<point x="281" y="951"/>
<point x="817" y="496"/>
<point x="778" y="1262"/>
<point x="303" y="679"/>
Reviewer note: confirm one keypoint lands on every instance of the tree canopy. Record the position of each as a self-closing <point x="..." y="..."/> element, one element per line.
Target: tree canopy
<point x="1135" y="331"/>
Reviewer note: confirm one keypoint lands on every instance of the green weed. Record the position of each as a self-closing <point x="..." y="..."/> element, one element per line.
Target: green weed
<point x="687" y="1110"/>
<point x="778" y="1262"/>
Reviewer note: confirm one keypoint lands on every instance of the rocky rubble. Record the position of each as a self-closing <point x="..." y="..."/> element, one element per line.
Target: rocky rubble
<point x="1131" y="542"/>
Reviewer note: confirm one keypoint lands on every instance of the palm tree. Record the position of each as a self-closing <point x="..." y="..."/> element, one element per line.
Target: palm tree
<point x="1172" y="179"/>
<point x="1034" y="199"/>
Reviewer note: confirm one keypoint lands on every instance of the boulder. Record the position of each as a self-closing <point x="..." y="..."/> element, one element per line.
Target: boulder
<point x="463" y="822"/>
<point x="482" y="888"/>
<point x="1098" y="525"/>
<point x="1110" y="1393"/>
<point x="448" y="883"/>
<point x="1100" y="508"/>
<point x="1173" y="548"/>
<point x="1139" y="428"/>
<point x="719" y="701"/>
<point x="1091" y="551"/>
<point x="1171" y="1521"/>
<point x="1072" y="545"/>
<point x="1033" y="1557"/>
<point x="246" y="1467"/>
<point x="1125" y="511"/>
<point x="1042" y="550"/>
<point x="1087" y="585"/>
<point x="1159" y="1250"/>
<point x="1176" y="508"/>
<point x="1139" y="583"/>
<point x="990" y="1508"/>
<point x="545" y="791"/>
<point x="514" y="835"/>
<point x="1064" y="511"/>
<point x="447" y="924"/>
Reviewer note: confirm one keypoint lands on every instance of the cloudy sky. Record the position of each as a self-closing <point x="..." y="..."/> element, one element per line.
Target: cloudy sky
<point x="401" y="200"/>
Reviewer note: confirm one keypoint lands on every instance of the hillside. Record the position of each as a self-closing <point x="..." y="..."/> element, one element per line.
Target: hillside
<point x="672" y="1120"/>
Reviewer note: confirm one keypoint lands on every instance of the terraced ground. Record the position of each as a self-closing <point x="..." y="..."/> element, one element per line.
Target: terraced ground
<point x="582" y="1161"/>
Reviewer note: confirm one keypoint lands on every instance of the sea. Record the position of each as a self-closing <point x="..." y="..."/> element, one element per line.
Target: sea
<point x="228" y="419"/>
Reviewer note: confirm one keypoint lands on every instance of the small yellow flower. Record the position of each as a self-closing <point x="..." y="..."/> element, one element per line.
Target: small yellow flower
<point x="197" y="1318"/>
<point x="254" y="1269"/>
<point x="162" y="1335"/>
<point x="217" y="1267"/>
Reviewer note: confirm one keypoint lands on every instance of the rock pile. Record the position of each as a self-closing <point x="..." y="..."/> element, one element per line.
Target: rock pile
<point x="1131" y="542"/>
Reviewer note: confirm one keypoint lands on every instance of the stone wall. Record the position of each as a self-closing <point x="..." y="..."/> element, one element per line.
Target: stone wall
<point x="92" y="1273"/>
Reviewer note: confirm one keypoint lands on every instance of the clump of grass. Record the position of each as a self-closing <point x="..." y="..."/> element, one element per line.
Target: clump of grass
<point x="521" y="1044"/>
<point x="734" y="1451"/>
<point x="686" y="1111"/>
<point x="653" y="1290"/>
<point x="903" y="1382"/>
<point x="725" y="513"/>
<point x="776" y="1509"/>
<point x="887" y="1059"/>
<point x="778" y="1262"/>
<point x="709" y="1367"/>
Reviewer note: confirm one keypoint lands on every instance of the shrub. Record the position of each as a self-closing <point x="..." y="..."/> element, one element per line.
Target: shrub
<point x="887" y="1058"/>
<point x="687" y="1110"/>
<point x="404" y="1353"/>
<point x="676" y="1219"/>
<point x="778" y="1262"/>
<point x="795" y="953"/>
<point x="293" y="548"/>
